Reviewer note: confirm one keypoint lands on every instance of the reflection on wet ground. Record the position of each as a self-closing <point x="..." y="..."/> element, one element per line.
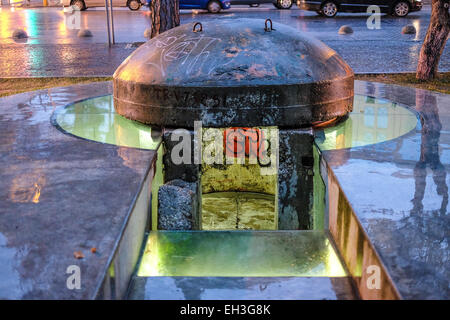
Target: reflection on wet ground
<point x="242" y="288"/>
<point x="52" y="25"/>
<point x="404" y="206"/>
<point x="429" y="153"/>
<point x="59" y="194"/>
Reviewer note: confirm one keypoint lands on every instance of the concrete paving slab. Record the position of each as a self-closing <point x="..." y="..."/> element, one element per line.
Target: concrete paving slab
<point x="399" y="191"/>
<point x="59" y="195"/>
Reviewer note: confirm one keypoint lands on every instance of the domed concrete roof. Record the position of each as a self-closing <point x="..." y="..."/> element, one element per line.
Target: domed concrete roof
<point x="233" y="72"/>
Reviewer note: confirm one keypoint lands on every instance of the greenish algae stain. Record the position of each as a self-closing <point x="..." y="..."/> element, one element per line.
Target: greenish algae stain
<point x="318" y="211"/>
<point x="158" y="180"/>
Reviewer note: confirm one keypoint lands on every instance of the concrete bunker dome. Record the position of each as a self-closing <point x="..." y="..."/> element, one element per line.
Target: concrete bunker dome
<point x="239" y="72"/>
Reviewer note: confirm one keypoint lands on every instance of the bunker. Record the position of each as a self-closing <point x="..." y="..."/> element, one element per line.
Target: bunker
<point x="236" y="100"/>
<point x="239" y="72"/>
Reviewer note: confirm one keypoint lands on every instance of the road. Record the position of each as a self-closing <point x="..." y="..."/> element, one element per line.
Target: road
<point x="53" y="48"/>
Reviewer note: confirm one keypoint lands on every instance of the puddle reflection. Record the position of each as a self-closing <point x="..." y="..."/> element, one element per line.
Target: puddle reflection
<point x="429" y="153"/>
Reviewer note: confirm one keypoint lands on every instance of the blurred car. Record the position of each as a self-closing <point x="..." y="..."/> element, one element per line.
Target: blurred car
<point x="213" y="6"/>
<point x="329" y="8"/>
<point x="84" y="4"/>
<point x="279" y="4"/>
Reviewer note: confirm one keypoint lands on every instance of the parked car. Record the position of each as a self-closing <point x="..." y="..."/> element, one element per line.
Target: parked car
<point x="279" y="4"/>
<point x="329" y="8"/>
<point x="84" y="4"/>
<point x="213" y="6"/>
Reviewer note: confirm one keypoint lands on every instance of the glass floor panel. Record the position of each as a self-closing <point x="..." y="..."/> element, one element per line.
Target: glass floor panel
<point x="95" y="119"/>
<point x="371" y="121"/>
<point x="240" y="254"/>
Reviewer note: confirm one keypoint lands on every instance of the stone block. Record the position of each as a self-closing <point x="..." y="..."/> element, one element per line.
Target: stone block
<point x="178" y="206"/>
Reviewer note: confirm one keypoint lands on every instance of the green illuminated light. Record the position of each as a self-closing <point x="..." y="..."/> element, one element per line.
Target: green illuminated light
<point x="95" y="119"/>
<point x="372" y="121"/>
<point x="240" y="254"/>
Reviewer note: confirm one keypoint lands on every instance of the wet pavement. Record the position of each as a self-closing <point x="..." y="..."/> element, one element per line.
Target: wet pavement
<point x="62" y="194"/>
<point x="59" y="195"/>
<point x="61" y="60"/>
<point x="399" y="190"/>
<point x="54" y="49"/>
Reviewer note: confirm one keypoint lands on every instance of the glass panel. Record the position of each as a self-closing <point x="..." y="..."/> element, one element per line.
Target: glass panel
<point x="240" y="253"/>
<point x="95" y="119"/>
<point x="372" y="121"/>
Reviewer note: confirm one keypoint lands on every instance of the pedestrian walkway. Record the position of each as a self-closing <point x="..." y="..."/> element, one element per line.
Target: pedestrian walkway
<point x="62" y="60"/>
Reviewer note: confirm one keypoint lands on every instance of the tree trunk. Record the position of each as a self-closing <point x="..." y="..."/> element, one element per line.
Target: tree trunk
<point x="434" y="42"/>
<point x="165" y="15"/>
